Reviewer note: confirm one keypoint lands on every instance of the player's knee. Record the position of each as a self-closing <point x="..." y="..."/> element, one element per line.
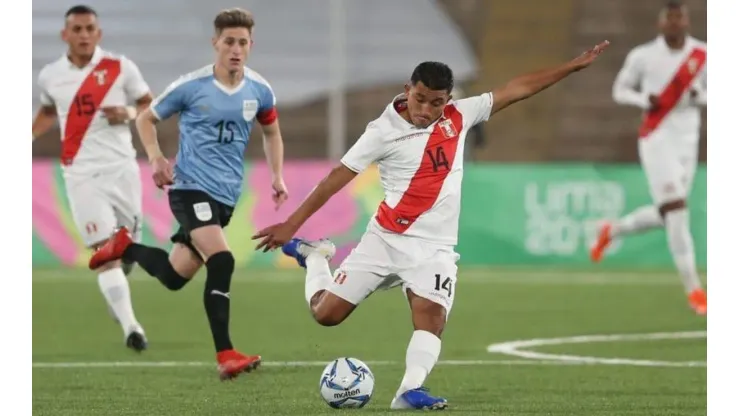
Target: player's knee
<point x="331" y="310"/>
<point x="328" y="317"/>
<point x="427" y="315"/>
<point x="671" y="206"/>
<point x="221" y="263"/>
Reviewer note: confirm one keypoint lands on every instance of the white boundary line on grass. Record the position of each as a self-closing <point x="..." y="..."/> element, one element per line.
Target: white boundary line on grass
<point x="516" y="348"/>
<point x="169" y="364"/>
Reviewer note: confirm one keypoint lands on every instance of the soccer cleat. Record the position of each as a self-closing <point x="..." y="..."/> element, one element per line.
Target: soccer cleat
<point x="299" y="249"/>
<point x="597" y="251"/>
<point x="698" y="301"/>
<point x="136" y="340"/>
<point x="419" y="399"/>
<point x="112" y="250"/>
<point x="231" y="363"/>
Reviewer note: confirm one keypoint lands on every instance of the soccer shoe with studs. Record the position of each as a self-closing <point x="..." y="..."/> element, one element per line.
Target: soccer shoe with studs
<point x="231" y="363"/>
<point x="136" y="340"/>
<point x="299" y="249"/>
<point x="698" y="301"/>
<point x="418" y="399"/>
<point x="112" y="250"/>
<point x="602" y="243"/>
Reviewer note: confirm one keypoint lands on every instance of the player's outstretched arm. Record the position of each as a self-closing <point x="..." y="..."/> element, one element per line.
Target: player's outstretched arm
<point x="45" y="119"/>
<point x="276" y="235"/>
<point x="273" y="145"/>
<point x="525" y="86"/>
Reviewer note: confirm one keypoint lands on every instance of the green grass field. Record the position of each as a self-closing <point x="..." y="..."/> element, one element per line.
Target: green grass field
<point x="95" y="375"/>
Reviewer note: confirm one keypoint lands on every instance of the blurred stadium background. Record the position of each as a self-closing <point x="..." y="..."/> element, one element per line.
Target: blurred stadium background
<point x="542" y="173"/>
<point x="541" y="176"/>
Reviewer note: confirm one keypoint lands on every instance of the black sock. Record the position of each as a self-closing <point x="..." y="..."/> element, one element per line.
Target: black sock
<point x="220" y="267"/>
<point x="156" y="262"/>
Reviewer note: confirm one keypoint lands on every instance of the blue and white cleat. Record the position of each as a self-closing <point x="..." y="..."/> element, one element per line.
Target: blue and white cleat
<point x="299" y="249"/>
<point x="419" y="399"/>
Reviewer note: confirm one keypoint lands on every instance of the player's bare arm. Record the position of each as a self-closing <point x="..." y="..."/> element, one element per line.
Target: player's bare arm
<point x="276" y="235"/>
<point x="273" y="145"/>
<point x="123" y="114"/>
<point x="525" y="86"/>
<point x="146" y="126"/>
<point x="45" y="119"/>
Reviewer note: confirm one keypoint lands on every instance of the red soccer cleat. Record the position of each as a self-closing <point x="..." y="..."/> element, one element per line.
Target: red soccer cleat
<point x="698" y="301"/>
<point x="112" y="249"/>
<point x="598" y="249"/>
<point x="231" y="363"/>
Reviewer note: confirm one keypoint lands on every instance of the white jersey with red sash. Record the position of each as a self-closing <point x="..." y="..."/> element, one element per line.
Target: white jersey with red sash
<point x="677" y="77"/>
<point x="669" y="134"/>
<point x="89" y="143"/>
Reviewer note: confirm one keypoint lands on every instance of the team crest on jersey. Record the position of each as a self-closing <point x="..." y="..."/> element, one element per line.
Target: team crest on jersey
<point x="203" y="211"/>
<point x="249" y="109"/>
<point x="100" y="76"/>
<point x="448" y="129"/>
<point x="693" y="65"/>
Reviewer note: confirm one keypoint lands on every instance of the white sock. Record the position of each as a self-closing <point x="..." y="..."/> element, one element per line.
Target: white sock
<point x="641" y="219"/>
<point x="318" y="275"/>
<point x="421" y="356"/>
<point x="114" y="287"/>
<point x="681" y="245"/>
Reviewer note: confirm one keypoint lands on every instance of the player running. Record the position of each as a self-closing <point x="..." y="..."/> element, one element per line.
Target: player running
<point x="418" y="143"/>
<point x="87" y="91"/>
<point x="217" y="105"/>
<point x="667" y="79"/>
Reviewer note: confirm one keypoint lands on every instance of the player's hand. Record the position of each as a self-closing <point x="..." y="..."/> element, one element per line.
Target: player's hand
<point x="162" y="175"/>
<point x="654" y="102"/>
<point x="279" y="192"/>
<point x="116" y="115"/>
<point x="274" y="236"/>
<point x="588" y="57"/>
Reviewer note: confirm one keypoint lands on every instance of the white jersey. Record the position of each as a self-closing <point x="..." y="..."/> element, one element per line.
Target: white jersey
<point x="89" y="143"/>
<point x="655" y="69"/>
<point x="420" y="169"/>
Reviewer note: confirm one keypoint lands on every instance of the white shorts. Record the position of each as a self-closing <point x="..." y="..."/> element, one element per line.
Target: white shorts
<point x="383" y="261"/>
<point x="669" y="162"/>
<point x="100" y="203"/>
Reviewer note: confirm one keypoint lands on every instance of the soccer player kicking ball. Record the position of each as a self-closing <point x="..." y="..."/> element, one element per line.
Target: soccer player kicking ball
<point x="87" y="90"/>
<point x="217" y="105"/>
<point x="418" y="143"/>
<point x="667" y="79"/>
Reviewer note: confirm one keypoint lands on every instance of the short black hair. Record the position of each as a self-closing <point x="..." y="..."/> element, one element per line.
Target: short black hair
<point x="80" y="9"/>
<point x="674" y="4"/>
<point x="434" y="75"/>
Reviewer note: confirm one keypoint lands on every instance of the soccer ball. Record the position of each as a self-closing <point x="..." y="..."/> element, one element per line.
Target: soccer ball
<point x="346" y="383"/>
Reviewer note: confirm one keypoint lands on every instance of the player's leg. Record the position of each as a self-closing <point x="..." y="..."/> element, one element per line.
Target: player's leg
<point x="204" y="219"/>
<point x="331" y="299"/>
<point x="668" y="186"/>
<point x="642" y="219"/>
<point x="430" y="290"/>
<point x="95" y="218"/>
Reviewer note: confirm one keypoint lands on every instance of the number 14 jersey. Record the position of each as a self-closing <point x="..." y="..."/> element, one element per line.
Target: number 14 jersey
<point x="420" y="169"/>
<point x="215" y="123"/>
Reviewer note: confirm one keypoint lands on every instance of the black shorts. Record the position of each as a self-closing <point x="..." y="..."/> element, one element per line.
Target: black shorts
<point x="194" y="209"/>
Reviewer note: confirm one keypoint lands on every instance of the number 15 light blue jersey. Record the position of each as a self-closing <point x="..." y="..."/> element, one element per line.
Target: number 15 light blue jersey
<point x="215" y="123"/>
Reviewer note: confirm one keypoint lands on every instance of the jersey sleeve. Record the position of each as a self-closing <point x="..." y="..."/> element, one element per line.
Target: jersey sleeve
<point x="369" y="148"/>
<point x="267" y="112"/>
<point x="44" y="97"/>
<point x="173" y="100"/>
<point x="476" y="109"/>
<point x="133" y="83"/>
<point x="625" y="88"/>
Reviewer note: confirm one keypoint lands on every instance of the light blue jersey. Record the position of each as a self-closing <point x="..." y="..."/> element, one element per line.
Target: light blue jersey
<point x="215" y="123"/>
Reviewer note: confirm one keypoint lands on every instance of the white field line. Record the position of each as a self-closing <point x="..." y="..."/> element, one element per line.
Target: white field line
<point x="517" y="349"/>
